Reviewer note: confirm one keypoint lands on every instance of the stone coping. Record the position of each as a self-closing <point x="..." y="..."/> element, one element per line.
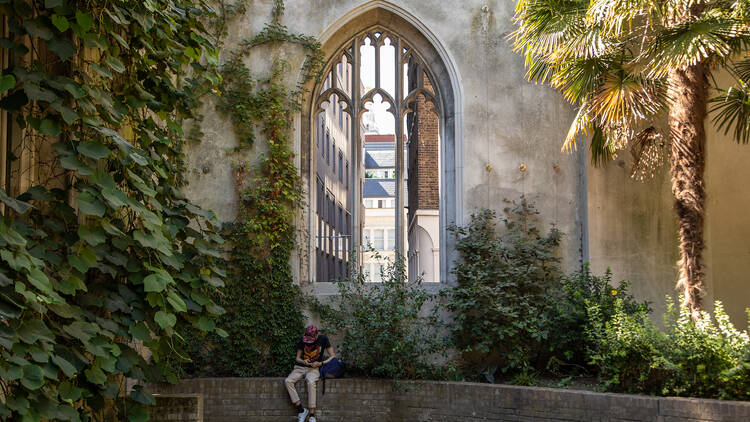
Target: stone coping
<point x="359" y="399"/>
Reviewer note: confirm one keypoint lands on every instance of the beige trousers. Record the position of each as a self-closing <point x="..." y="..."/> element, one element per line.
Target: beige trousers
<point x="311" y="375"/>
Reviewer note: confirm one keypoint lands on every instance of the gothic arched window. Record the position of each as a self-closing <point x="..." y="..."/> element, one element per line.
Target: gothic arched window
<point x="376" y="165"/>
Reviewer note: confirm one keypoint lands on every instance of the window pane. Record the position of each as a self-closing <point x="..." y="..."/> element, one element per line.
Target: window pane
<point x="378" y="239"/>
<point x="391" y="240"/>
<point x="377" y="274"/>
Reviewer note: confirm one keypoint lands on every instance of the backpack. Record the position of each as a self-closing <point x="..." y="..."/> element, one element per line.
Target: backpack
<point x="332" y="369"/>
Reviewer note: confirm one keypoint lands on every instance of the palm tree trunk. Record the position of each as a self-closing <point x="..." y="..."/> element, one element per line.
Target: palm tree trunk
<point x="687" y="112"/>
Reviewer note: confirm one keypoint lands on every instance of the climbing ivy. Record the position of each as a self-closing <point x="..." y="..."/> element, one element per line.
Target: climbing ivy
<point x="264" y="315"/>
<point x="102" y="261"/>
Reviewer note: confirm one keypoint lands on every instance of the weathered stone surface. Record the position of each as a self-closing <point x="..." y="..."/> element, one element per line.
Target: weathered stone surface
<point x="355" y="400"/>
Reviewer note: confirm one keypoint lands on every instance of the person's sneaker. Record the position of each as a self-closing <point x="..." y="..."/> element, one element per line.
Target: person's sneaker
<point x="301" y="416"/>
<point x="312" y="418"/>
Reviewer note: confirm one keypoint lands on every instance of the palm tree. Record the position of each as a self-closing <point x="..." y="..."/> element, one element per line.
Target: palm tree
<point x="638" y="72"/>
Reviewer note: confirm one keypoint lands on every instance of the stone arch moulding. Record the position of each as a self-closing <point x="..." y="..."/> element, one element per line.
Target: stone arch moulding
<point x="445" y="75"/>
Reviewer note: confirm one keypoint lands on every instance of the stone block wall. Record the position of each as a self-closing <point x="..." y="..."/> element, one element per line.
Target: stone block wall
<point x="361" y="400"/>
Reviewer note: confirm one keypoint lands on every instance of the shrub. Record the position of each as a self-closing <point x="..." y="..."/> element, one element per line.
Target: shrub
<point x="578" y="292"/>
<point x="503" y="300"/>
<point x="389" y="329"/>
<point x="703" y="358"/>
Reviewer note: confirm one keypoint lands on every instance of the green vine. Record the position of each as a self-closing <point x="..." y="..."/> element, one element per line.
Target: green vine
<point x="102" y="261"/>
<point x="264" y="315"/>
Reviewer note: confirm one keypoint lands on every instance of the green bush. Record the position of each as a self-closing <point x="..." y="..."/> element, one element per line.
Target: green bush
<point x="578" y="292"/>
<point x="708" y="357"/>
<point x="503" y="302"/>
<point x="389" y="329"/>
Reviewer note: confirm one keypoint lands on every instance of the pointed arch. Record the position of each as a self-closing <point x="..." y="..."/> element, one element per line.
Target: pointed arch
<point x="423" y="46"/>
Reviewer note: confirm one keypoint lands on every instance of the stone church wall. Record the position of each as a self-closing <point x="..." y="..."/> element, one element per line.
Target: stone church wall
<point x="508" y="138"/>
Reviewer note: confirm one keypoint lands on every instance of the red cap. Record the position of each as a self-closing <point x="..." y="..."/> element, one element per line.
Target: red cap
<point x="311" y="333"/>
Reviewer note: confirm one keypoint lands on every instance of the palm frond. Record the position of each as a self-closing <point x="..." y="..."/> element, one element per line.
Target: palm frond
<point x="580" y="128"/>
<point x="731" y="110"/>
<point x="543" y="25"/>
<point x="601" y="149"/>
<point x="616" y="17"/>
<point x="708" y="38"/>
<point x="741" y="70"/>
<point x="578" y="79"/>
<point x="627" y="98"/>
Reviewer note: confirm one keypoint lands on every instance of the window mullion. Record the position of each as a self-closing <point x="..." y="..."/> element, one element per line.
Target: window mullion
<point x="399" y="208"/>
<point x="355" y="152"/>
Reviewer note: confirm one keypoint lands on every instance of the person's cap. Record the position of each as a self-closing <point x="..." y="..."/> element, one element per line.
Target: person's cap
<point x="311" y="333"/>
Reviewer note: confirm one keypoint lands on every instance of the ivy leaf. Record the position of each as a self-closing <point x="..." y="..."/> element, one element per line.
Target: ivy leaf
<point x="71" y="162"/>
<point x="51" y="4"/>
<point x="95" y="375"/>
<point x="37" y="28"/>
<point x="71" y="284"/>
<point x="103" y="72"/>
<point x="8" y="336"/>
<point x="206" y="324"/>
<point x="92" y="236"/>
<point x="7" y="82"/>
<point x="141" y="185"/>
<point x="115" y="64"/>
<point x="63" y="47"/>
<point x="11" y="236"/>
<point x="93" y="150"/>
<point x="68" y="369"/>
<point x="142" y="395"/>
<point x="60" y="22"/>
<point x="84" y="20"/>
<point x="115" y="197"/>
<point x="67" y="113"/>
<point x="176" y="301"/>
<point x="33" y="377"/>
<point x="111" y="229"/>
<point x="138" y="413"/>
<point x="34" y="330"/>
<point x="39" y="280"/>
<point x="140" y="332"/>
<point x="157" y="282"/>
<point x="165" y="319"/>
<point x="37" y="93"/>
<point x="50" y="127"/>
<point x="9" y="310"/>
<point x="87" y="204"/>
<point x="18" y="206"/>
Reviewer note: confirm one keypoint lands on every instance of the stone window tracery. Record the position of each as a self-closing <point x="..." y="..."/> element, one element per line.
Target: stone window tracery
<point x="377" y="69"/>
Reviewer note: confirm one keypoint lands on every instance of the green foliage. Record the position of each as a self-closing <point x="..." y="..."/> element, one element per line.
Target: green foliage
<point x="503" y="300"/>
<point x="390" y="329"/>
<point x="579" y="292"/>
<point x="708" y="357"/>
<point x="612" y="59"/>
<point x="264" y="317"/>
<point x="109" y="258"/>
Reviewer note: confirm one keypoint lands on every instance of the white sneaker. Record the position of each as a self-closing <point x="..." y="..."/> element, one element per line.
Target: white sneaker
<point x="312" y="419"/>
<point x="301" y="416"/>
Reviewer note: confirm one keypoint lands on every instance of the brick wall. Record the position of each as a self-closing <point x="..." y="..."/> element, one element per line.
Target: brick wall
<point x="424" y="158"/>
<point x="183" y="408"/>
<point x="361" y="400"/>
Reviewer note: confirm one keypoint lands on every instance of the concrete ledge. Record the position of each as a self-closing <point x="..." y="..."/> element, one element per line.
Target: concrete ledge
<point x="365" y="400"/>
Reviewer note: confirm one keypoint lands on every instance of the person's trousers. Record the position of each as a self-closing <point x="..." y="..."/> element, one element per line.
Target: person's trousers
<point x="311" y="375"/>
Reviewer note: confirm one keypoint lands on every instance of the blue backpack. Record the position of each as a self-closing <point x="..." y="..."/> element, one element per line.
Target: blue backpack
<point x="332" y="369"/>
